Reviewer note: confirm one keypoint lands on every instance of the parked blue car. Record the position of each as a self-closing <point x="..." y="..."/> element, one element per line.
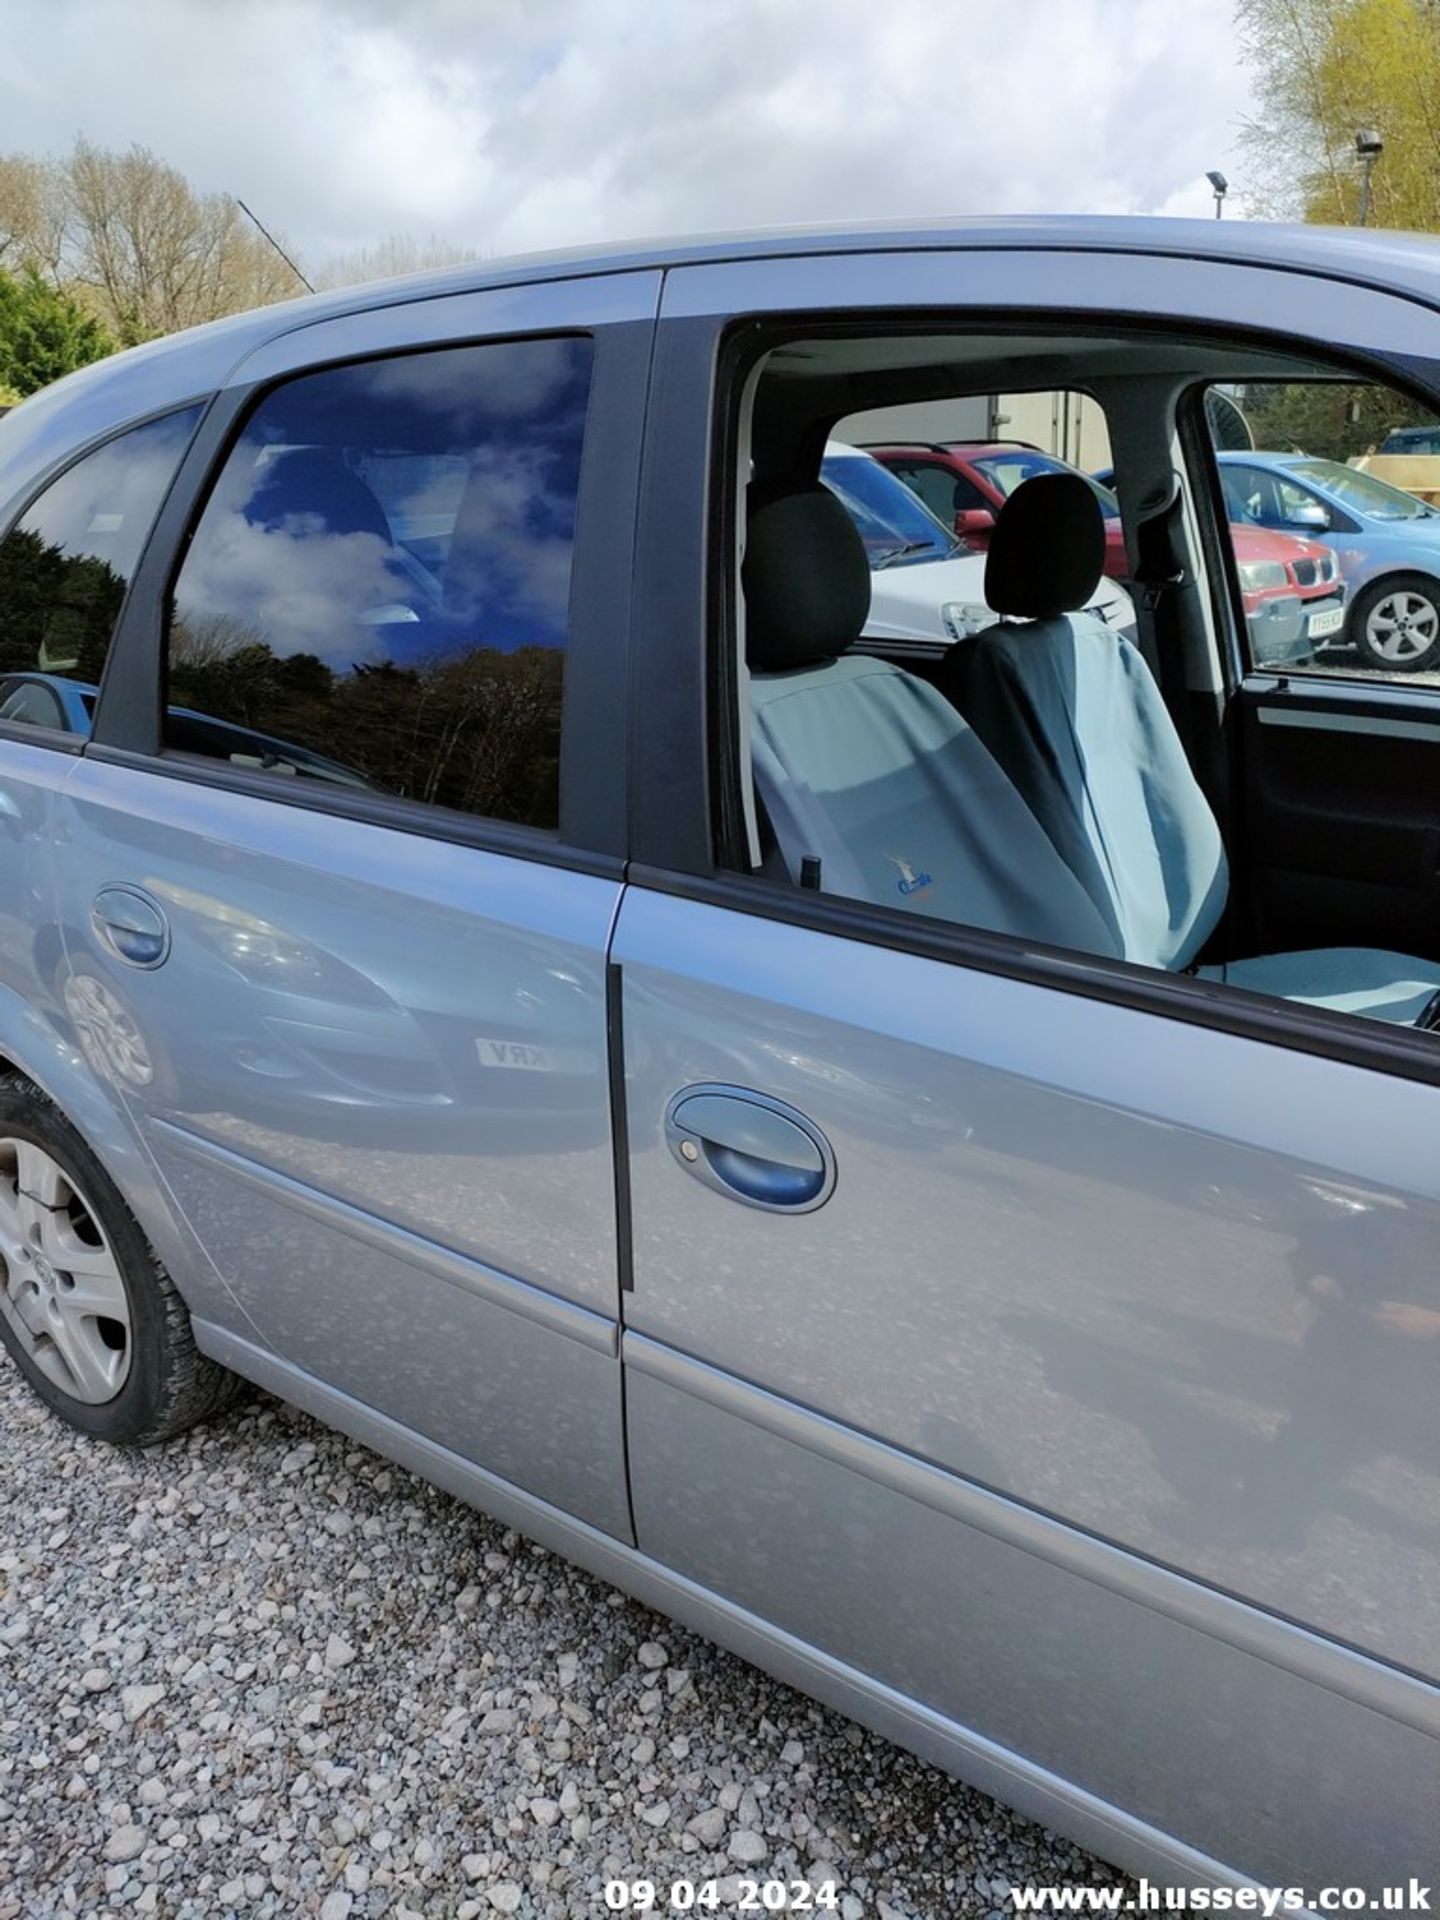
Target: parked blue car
<point x="68" y="706"/>
<point x="1387" y="542"/>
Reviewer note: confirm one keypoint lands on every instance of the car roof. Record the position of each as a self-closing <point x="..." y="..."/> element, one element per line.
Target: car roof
<point x="1255" y="458"/>
<point x="163" y="374"/>
<point x="982" y="449"/>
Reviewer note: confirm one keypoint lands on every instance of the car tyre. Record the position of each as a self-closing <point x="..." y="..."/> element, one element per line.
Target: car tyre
<point x="1395" y="624"/>
<point x="89" y="1315"/>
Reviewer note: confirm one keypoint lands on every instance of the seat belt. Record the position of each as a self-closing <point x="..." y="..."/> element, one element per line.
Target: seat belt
<point x="1161" y="576"/>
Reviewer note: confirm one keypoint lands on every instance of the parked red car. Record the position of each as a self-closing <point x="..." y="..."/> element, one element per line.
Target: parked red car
<point x="965" y="483"/>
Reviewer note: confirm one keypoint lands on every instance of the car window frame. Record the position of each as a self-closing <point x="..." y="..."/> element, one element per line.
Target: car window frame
<point x="591" y="837"/>
<point x="61" y="739"/>
<point x="690" y="840"/>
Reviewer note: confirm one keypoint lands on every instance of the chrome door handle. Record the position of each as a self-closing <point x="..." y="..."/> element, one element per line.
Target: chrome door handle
<point x="130" y="925"/>
<point x="751" y="1147"/>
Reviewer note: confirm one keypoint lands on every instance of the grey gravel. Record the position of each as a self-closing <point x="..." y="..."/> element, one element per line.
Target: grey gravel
<point x="261" y="1672"/>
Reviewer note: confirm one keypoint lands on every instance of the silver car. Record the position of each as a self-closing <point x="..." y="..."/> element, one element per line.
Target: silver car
<point x="919" y="1162"/>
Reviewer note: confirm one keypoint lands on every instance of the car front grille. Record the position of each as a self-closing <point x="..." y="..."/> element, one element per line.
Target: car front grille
<point x="1306" y="572"/>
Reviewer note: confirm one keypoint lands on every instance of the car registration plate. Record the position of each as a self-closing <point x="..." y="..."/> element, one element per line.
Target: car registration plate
<point x="1321" y="624"/>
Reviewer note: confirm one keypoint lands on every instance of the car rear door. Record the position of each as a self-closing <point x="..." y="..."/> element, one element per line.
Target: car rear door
<point x="338" y="954"/>
<point x="996" y="1328"/>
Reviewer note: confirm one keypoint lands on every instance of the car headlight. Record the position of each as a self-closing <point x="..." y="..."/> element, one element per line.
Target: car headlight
<point x="1255" y="574"/>
<point x="964" y="617"/>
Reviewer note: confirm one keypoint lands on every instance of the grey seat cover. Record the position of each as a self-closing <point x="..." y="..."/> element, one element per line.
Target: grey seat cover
<point x="1074" y="716"/>
<point x="1072" y="713"/>
<point x="872" y="772"/>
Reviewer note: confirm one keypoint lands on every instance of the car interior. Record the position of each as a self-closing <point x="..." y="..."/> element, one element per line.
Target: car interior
<point x="1159" y="803"/>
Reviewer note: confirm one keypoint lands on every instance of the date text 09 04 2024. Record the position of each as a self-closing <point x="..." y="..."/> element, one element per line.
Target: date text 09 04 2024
<point x="706" y="1896"/>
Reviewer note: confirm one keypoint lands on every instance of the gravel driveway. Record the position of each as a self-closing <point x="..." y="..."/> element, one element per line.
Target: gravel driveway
<point x="260" y="1671"/>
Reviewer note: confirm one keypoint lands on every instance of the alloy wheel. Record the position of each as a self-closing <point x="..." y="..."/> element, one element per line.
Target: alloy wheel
<point x="1402" y="627"/>
<point x="61" y="1290"/>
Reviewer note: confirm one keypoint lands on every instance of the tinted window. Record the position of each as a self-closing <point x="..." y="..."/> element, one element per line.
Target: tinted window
<point x="944" y="491"/>
<point x="65" y="566"/>
<point x="377" y="592"/>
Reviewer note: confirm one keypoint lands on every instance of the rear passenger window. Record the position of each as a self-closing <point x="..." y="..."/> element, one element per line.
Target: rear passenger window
<point x="66" y="564"/>
<point x="377" y="592"/>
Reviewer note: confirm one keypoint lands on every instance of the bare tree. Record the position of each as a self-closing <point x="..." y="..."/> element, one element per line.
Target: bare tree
<point x="390" y="258"/>
<point x="155" y="254"/>
<point x="33" y="216"/>
<point x="146" y="253"/>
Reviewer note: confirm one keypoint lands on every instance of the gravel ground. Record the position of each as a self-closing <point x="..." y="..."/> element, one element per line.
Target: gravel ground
<point x="261" y="1671"/>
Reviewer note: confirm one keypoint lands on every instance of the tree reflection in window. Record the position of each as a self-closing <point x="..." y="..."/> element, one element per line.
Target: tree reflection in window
<point x="382" y="574"/>
<point x="65" y="566"/>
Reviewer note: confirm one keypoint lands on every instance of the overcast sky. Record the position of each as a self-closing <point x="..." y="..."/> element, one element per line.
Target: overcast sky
<point x="511" y="124"/>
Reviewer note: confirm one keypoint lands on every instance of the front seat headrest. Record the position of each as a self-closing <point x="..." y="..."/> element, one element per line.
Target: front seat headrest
<point x="806" y="578"/>
<point x="1047" y="551"/>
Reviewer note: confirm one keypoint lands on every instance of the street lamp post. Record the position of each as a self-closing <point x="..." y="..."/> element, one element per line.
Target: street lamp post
<point x="1369" y="146"/>
<point x="1221" y="187"/>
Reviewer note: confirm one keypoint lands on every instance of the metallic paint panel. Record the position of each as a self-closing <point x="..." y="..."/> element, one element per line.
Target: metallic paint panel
<point x="36" y="1034"/>
<point x="973" y="281"/>
<point x="1355" y="1676"/>
<point x="541" y="306"/>
<point x="546" y="1310"/>
<point x="494" y="1387"/>
<point x="1171" y="1286"/>
<point x="325" y="1004"/>
<point x="1287" y="1781"/>
<point x="323" y="1018"/>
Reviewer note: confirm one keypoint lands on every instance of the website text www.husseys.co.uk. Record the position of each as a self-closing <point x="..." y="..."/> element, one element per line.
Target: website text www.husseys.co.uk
<point x="1414" y="1896"/>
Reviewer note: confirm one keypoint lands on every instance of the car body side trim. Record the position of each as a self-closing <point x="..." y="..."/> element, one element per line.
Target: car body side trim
<point x="1326" y="1663"/>
<point x="1032" y="1790"/>
<point x="1346" y="723"/>
<point x="459" y="1270"/>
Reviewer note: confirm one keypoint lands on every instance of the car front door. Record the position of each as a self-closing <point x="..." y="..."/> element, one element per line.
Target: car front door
<point x="1017" y="1344"/>
<point x="337" y="935"/>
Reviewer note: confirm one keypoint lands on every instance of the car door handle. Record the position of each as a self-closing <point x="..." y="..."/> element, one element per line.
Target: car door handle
<point x="751" y="1147"/>
<point x="129" y="924"/>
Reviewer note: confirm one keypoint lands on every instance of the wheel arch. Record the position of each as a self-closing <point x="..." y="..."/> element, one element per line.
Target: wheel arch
<point x="33" y="1046"/>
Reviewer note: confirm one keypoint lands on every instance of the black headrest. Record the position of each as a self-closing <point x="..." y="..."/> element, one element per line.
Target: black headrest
<point x="806" y="578"/>
<point x="1047" y="551"/>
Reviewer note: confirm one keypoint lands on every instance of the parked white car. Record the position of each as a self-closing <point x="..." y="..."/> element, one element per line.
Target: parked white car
<point x="924" y="584"/>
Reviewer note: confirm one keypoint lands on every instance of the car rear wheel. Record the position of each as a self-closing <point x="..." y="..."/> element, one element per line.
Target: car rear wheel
<point x="89" y="1315"/>
<point x="1395" y="624"/>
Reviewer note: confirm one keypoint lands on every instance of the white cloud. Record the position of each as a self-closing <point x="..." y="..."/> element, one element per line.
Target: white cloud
<point x="510" y="124"/>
